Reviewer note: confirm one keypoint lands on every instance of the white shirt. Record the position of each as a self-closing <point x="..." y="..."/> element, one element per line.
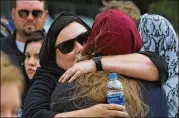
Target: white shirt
<point x="20" y="45"/>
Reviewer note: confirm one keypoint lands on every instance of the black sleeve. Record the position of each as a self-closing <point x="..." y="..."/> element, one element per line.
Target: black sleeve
<point x="154" y="96"/>
<point x="160" y="63"/>
<point x="38" y="97"/>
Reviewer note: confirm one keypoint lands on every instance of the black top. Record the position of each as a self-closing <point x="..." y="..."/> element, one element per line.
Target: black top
<point x="160" y="63"/>
<point x="37" y="102"/>
<point x="62" y="99"/>
<point x="41" y="87"/>
<point x="8" y="45"/>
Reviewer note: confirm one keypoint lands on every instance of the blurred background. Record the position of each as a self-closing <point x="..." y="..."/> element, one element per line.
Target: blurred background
<point x="88" y="9"/>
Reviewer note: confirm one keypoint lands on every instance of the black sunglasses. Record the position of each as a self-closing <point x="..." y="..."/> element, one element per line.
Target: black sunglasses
<point x="25" y="13"/>
<point x="68" y="46"/>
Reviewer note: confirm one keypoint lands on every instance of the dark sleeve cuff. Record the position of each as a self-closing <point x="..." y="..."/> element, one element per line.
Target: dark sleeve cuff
<point x="160" y="63"/>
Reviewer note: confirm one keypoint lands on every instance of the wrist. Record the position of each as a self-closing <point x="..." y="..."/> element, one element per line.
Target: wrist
<point x="93" y="65"/>
<point x="77" y="113"/>
<point x="97" y="61"/>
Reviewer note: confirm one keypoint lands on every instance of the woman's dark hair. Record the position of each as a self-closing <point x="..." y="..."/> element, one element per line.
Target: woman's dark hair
<point x="34" y="37"/>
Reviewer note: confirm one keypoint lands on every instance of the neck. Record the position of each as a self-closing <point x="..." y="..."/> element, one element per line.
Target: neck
<point x="19" y="38"/>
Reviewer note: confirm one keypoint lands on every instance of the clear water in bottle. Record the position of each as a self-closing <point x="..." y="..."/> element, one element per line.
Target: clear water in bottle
<point x="115" y="94"/>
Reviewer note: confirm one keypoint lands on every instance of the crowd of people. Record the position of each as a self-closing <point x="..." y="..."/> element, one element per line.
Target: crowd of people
<point x="64" y="72"/>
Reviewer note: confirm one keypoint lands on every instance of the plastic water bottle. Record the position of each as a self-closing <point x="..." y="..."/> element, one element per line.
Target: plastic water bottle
<point x="115" y="94"/>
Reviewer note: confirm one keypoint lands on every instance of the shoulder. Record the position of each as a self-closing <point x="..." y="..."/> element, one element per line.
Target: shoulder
<point x="152" y="91"/>
<point x="7" y="42"/>
<point x="151" y="86"/>
<point x="154" y="96"/>
<point x="44" y="76"/>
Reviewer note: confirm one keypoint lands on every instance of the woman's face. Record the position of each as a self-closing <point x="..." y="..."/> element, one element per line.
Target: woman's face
<point x="32" y="58"/>
<point x="71" y="31"/>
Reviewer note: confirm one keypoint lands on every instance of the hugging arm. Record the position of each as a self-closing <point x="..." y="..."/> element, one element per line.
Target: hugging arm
<point x="132" y="65"/>
<point x="142" y="66"/>
<point x="99" y="110"/>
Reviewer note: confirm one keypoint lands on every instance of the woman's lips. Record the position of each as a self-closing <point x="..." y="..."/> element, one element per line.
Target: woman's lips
<point x="30" y="71"/>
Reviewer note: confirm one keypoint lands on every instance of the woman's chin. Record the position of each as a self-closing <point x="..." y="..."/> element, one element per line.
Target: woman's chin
<point x="30" y="76"/>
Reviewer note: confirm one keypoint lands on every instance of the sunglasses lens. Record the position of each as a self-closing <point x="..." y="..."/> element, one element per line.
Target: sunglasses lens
<point x="66" y="47"/>
<point x="23" y="13"/>
<point x="82" y="39"/>
<point x="37" y="13"/>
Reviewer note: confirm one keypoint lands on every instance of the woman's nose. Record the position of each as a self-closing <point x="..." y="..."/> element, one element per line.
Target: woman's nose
<point x="32" y="61"/>
<point x="78" y="47"/>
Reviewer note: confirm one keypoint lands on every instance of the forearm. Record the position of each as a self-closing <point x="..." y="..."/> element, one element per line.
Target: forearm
<point x="98" y="111"/>
<point x="77" y="113"/>
<point x="132" y="65"/>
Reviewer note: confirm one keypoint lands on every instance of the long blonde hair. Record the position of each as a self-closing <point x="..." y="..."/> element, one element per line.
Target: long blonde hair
<point x="93" y="85"/>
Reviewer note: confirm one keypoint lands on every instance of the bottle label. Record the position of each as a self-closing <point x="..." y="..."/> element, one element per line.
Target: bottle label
<point x="116" y="99"/>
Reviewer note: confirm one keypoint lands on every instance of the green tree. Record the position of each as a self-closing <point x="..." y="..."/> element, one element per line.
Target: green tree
<point x="166" y="8"/>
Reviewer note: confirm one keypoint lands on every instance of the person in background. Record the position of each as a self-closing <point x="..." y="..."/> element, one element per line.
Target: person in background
<point x="12" y="86"/>
<point x="6" y="27"/>
<point x="127" y="7"/>
<point x="29" y="16"/>
<point x="159" y="36"/>
<point x="31" y="57"/>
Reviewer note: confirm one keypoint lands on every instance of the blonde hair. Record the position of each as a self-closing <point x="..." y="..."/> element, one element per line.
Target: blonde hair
<point x="10" y="74"/>
<point x="127" y="7"/>
<point x="93" y="85"/>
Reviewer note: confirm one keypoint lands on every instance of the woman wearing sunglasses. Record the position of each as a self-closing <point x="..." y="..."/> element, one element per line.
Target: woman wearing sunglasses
<point x="67" y="30"/>
<point x="64" y="42"/>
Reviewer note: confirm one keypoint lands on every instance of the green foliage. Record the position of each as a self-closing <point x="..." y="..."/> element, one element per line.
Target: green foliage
<point x="168" y="9"/>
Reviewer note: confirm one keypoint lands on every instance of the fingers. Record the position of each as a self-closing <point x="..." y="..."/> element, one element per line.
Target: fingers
<point x="114" y="107"/>
<point x="61" y="78"/>
<point x="77" y="74"/>
<point x="117" y="113"/>
<point x="114" y="110"/>
<point x="67" y="75"/>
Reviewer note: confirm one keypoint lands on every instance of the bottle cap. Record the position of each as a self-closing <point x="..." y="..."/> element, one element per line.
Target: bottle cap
<point x="112" y="75"/>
